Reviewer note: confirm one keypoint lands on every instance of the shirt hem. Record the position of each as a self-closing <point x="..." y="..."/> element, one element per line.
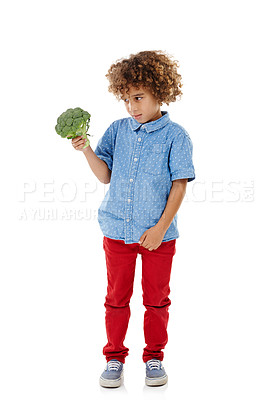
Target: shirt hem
<point x="166" y="240"/>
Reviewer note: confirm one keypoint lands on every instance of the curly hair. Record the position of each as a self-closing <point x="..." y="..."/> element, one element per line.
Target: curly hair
<point x="153" y="70"/>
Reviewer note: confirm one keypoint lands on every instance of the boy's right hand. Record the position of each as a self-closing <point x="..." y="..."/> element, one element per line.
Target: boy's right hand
<point x="78" y="143"/>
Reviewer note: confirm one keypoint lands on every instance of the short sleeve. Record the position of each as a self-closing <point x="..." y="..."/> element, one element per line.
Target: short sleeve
<point x="105" y="147"/>
<point x="180" y="160"/>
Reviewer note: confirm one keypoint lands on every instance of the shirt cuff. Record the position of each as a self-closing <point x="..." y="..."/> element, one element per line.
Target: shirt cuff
<point x="183" y="175"/>
<point x="106" y="160"/>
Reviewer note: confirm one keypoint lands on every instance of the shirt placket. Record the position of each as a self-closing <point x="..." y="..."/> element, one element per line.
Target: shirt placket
<point x="131" y="185"/>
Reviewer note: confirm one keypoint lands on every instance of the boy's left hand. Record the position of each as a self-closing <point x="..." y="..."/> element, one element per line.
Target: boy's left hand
<point x="152" y="238"/>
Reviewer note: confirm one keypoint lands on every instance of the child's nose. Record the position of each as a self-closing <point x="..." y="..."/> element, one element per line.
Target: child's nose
<point x="132" y="108"/>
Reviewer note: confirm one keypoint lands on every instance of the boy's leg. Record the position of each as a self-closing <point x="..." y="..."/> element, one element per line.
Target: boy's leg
<point x="120" y="263"/>
<point x="156" y="272"/>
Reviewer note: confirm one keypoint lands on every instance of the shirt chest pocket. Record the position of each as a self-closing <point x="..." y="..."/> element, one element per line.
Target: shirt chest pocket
<point x="156" y="162"/>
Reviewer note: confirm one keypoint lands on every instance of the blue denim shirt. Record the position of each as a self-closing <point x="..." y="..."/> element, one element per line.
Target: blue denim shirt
<point x="144" y="160"/>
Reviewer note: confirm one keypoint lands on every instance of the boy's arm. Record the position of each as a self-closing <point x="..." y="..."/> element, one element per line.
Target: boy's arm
<point x="152" y="237"/>
<point x="175" y="199"/>
<point x="98" y="166"/>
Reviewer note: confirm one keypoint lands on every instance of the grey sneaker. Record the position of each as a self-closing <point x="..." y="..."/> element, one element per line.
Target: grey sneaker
<point x="112" y="375"/>
<point x="155" y="373"/>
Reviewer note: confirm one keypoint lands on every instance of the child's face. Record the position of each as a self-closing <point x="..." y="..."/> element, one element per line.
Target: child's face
<point x="141" y="105"/>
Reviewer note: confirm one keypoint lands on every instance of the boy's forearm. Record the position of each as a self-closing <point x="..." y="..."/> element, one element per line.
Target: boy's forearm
<point x="98" y="166"/>
<point x="175" y="199"/>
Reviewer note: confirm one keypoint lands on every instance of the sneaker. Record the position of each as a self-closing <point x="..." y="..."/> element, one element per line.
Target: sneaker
<point x="155" y="373"/>
<point x="112" y="375"/>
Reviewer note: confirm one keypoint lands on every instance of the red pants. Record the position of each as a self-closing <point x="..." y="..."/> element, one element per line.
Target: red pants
<point x="156" y="271"/>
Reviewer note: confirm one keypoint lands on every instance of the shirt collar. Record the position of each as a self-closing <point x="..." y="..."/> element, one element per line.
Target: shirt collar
<point x="153" y="125"/>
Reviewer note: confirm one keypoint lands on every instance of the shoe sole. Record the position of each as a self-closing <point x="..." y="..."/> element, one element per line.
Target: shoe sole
<point x="156" y="381"/>
<point x="112" y="383"/>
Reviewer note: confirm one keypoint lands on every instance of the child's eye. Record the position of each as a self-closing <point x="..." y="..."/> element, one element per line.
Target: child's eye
<point x="126" y="100"/>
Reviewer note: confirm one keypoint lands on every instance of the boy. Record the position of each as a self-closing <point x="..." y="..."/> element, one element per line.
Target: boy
<point x="147" y="159"/>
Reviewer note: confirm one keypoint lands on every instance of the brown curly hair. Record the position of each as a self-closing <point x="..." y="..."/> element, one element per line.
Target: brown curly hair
<point x="153" y="70"/>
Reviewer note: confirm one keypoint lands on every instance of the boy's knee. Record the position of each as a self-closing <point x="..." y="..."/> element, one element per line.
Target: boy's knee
<point x="117" y="301"/>
<point x="156" y="302"/>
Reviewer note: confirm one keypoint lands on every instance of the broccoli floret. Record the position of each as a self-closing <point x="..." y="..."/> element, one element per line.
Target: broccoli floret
<point x="73" y="123"/>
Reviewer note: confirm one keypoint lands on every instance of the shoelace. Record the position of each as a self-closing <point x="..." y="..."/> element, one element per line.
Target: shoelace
<point x="113" y="365"/>
<point x="153" y="364"/>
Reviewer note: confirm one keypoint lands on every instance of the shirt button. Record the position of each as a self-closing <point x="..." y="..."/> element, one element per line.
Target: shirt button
<point x="139" y="139"/>
<point x="131" y="180"/>
<point x="135" y="159"/>
<point x="127" y="220"/>
<point x="129" y="200"/>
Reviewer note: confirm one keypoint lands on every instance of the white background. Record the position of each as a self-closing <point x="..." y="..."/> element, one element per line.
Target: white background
<point x="54" y="55"/>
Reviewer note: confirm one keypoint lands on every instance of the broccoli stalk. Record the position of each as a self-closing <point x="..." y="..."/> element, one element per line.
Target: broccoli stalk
<point x="81" y="131"/>
<point x="73" y="123"/>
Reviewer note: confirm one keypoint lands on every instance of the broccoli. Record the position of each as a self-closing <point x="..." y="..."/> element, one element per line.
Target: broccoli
<point x="73" y="123"/>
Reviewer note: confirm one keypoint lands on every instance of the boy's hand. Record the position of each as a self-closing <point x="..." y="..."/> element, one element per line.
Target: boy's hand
<point x="152" y="238"/>
<point x="78" y="143"/>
